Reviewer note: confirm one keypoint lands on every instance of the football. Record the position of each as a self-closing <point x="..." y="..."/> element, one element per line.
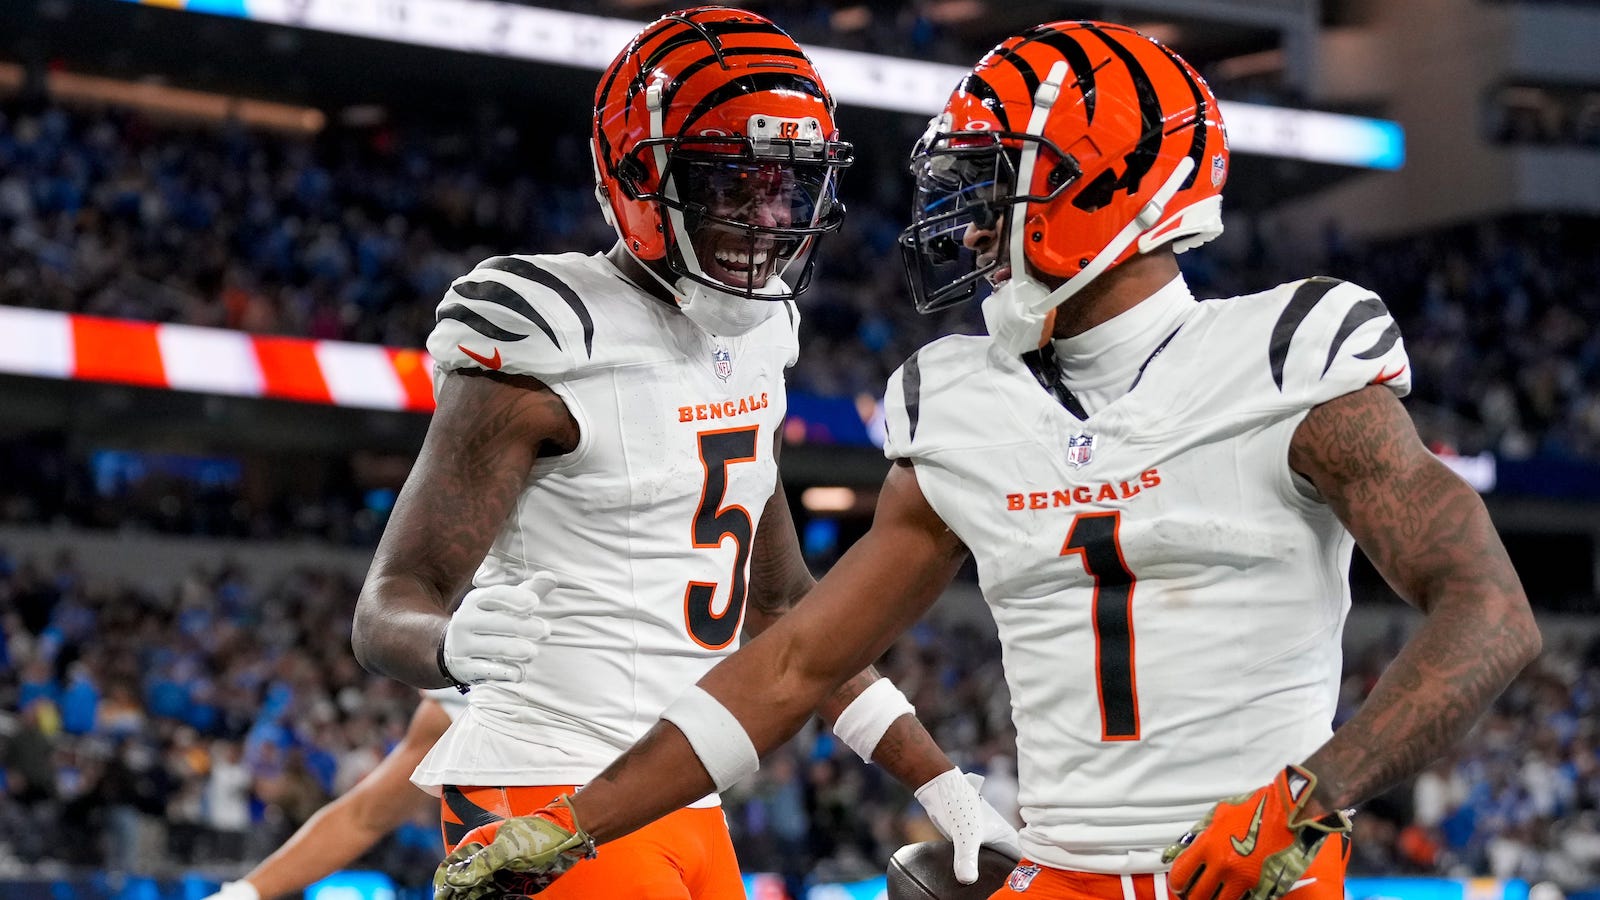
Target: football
<point x="924" y="872"/>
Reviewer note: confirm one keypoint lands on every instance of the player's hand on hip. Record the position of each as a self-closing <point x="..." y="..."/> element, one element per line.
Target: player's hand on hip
<point x="496" y="631"/>
<point x="1253" y="846"/>
<point x="526" y="855"/>
<point x="955" y="807"/>
<point x="236" y="890"/>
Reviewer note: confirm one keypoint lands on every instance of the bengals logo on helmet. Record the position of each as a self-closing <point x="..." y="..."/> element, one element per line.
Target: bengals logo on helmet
<point x="1105" y="140"/>
<point x="731" y="93"/>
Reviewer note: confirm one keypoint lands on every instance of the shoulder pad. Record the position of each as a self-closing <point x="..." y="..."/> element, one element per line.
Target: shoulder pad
<point x="928" y="373"/>
<point x="1331" y="338"/>
<point x="513" y="314"/>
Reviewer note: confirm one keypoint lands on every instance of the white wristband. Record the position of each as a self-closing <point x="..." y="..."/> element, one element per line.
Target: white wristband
<point x="717" y="737"/>
<point x="236" y="890"/>
<point x="862" y="724"/>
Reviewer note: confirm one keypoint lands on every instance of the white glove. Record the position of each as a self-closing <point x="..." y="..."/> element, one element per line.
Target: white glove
<point x="495" y="633"/>
<point x="966" y="820"/>
<point x="236" y="890"/>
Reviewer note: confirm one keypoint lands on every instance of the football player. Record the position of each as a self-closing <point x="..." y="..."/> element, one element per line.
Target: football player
<point x="346" y="828"/>
<point x="1161" y="497"/>
<point x="605" y="455"/>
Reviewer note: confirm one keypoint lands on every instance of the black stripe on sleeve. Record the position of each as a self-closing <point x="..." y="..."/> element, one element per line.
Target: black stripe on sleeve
<point x="523" y="268"/>
<point x="1385" y="341"/>
<point x="1359" y="315"/>
<point x="911" y="387"/>
<point x="477" y="323"/>
<point x="497" y="293"/>
<point x="1306" y="296"/>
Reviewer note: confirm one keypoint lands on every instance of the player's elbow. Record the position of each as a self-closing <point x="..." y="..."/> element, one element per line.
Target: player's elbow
<point x="1522" y="630"/>
<point x="364" y="633"/>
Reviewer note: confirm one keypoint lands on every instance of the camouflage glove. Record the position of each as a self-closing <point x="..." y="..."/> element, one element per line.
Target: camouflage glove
<point x="526" y="855"/>
<point x="1253" y="846"/>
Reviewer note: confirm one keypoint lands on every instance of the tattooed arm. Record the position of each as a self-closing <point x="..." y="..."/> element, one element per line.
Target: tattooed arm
<point x="1430" y="536"/>
<point x="485" y="435"/>
<point x="778" y="579"/>
<point x="773" y="684"/>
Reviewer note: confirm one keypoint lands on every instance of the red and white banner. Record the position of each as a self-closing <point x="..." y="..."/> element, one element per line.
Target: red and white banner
<point x="214" y="361"/>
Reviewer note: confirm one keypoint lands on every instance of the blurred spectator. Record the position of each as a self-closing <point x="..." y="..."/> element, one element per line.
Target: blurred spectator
<point x="355" y="234"/>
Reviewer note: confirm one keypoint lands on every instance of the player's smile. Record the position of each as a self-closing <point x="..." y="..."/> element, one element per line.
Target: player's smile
<point x="736" y="260"/>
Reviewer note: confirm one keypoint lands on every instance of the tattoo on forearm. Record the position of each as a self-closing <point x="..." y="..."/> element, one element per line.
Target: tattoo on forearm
<point x="778" y="573"/>
<point x="1432" y="539"/>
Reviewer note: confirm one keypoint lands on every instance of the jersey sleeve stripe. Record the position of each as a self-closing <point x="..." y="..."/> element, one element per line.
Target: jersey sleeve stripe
<point x="1358" y="315"/>
<point x="501" y="295"/>
<point x="911" y="386"/>
<point x="1388" y="339"/>
<point x="1306" y="296"/>
<point x="477" y="323"/>
<point x="524" y="269"/>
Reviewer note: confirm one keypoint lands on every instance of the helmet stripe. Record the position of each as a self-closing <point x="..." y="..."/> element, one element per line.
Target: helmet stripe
<point x="709" y="32"/>
<point x="753" y="83"/>
<point x="1197" y="141"/>
<point x="1077" y="58"/>
<point x="689" y="71"/>
<point x="1143" y="155"/>
<point x="983" y="90"/>
<point x="1029" y="76"/>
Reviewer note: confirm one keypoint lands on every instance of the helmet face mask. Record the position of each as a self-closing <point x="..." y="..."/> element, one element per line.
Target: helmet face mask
<point x="717" y="161"/>
<point x="1115" y="147"/>
<point x="739" y="218"/>
<point x="964" y="204"/>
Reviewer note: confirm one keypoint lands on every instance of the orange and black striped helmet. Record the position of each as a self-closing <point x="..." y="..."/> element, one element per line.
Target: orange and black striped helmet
<point x="1083" y="142"/>
<point x="712" y="128"/>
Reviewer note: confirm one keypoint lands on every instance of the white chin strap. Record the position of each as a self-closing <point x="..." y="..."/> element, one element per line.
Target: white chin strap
<point x="1015" y="313"/>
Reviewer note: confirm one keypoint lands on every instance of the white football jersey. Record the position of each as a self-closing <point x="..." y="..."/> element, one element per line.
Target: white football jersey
<point x="648" y="525"/>
<point x="1169" y="594"/>
<point x="451" y="700"/>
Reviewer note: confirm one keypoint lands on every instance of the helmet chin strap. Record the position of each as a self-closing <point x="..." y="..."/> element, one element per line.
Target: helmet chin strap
<point x="1015" y="313"/>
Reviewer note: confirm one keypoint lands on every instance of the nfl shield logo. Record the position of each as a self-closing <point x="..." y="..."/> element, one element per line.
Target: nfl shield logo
<point x="1080" y="449"/>
<point x="1021" y="877"/>
<point x="723" y="361"/>
<point x="1218" y="170"/>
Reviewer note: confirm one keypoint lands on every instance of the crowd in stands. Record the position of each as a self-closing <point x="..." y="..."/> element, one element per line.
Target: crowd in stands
<point x="355" y="235"/>
<point x="193" y="727"/>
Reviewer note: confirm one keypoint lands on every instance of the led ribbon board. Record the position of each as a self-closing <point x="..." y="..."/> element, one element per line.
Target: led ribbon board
<point x="859" y="79"/>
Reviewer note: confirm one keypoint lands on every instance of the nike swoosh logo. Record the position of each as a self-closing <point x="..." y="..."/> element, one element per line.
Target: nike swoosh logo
<point x="1383" y="377"/>
<point x="1300" y="884"/>
<point x="489" y="362"/>
<point x="1247" y="846"/>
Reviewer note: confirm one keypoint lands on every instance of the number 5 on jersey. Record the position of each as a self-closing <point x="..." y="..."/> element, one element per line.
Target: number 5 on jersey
<point x="1093" y="536"/>
<point x="714" y="523"/>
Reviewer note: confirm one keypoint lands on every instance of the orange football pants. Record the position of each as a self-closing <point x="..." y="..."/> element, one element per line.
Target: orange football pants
<point x="1324" y="880"/>
<point x="685" y="855"/>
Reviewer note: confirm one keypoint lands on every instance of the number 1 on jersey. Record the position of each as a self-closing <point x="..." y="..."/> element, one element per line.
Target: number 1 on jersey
<point x="1093" y="536"/>
<point x="713" y="523"/>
